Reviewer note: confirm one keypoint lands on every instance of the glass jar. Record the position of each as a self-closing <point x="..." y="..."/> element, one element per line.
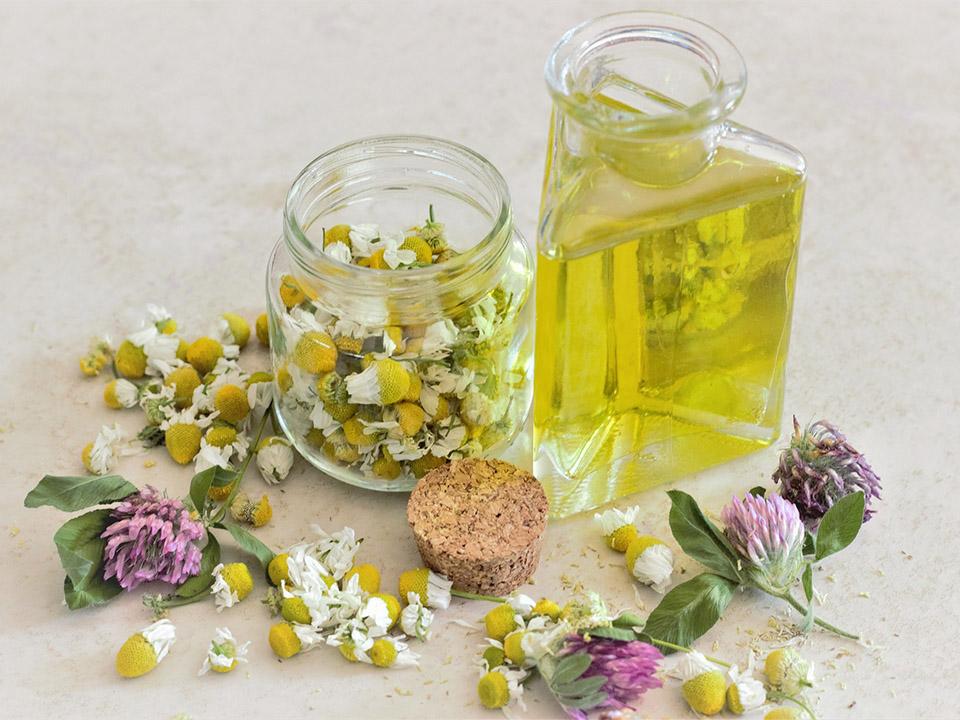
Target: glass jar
<point x="382" y="374"/>
<point x="666" y="267"/>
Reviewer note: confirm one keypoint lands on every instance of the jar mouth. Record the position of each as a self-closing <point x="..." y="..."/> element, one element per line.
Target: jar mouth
<point x="643" y="72"/>
<point x="359" y="169"/>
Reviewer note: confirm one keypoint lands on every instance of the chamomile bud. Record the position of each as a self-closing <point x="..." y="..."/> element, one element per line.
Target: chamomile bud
<point x="233" y="403"/>
<point x="131" y="360"/>
<point x="500" y="622"/>
<point x="143" y="651"/>
<point x="203" y="354"/>
<point x="383" y="383"/>
<point x="618" y="526"/>
<point x="411" y="418"/>
<point x="184" y="380"/>
<point x="238" y="327"/>
<point x="368" y="575"/>
<point x="274" y="459"/>
<point x="706" y="693"/>
<point x="263" y="329"/>
<point x="120" y="393"/>
<point x="224" y="653"/>
<point x="278" y="569"/>
<point x="231" y="584"/>
<point x="476" y="410"/>
<point x="788" y="672"/>
<point x="284" y="641"/>
<point x="650" y="562"/>
<point x="433" y="589"/>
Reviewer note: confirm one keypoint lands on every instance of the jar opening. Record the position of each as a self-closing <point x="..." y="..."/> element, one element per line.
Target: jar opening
<point x="638" y="72"/>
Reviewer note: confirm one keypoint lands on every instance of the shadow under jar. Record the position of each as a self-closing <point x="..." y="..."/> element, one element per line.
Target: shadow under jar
<point x="667" y="257"/>
<point x="381" y="373"/>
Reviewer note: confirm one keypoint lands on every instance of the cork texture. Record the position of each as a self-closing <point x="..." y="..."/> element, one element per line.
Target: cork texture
<point x="480" y="523"/>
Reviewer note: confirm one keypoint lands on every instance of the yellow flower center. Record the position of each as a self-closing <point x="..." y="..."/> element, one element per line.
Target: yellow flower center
<point x="110" y="395"/>
<point x="369" y="577"/>
<point x="294" y="609"/>
<point x="203" y="354"/>
<point x="263" y="330"/>
<point x="278" y="570"/>
<point x="493" y="657"/>
<point x="136" y="657"/>
<point x="383" y="653"/>
<point x="636" y="548"/>
<point x="231" y="401"/>
<point x="338" y="233"/>
<point x="493" y="690"/>
<point x="548" y="608"/>
<point x="500" y="622"/>
<point x="621" y="538"/>
<point x="393" y="379"/>
<point x="414" y="581"/>
<point x="290" y="291"/>
<point x="183" y="442"/>
<point x="411" y="418"/>
<point x="347" y="650"/>
<point x="131" y="360"/>
<point x="393" y="605"/>
<point x="706" y="693"/>
<point x="184" y="380"/>
<point x="237" y="577"/>
<point x="315" y="353"/>
<point x="513" y="647"/>
<point x="220" y="435"/>
<point x="284" y="641"/>
<point x="239" y="328"/>
<point x="353" y="429"/>
<point x="422" y="465"/>
<point x="416" y="385"/>
<point x="420" y="247"/>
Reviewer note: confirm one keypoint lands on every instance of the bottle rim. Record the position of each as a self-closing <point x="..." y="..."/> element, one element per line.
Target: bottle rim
<point x="719" y="59"/>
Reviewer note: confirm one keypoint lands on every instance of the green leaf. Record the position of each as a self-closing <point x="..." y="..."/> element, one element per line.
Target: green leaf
<point x="205" y="479"/>
<point x="809" y="544"/>
<point x="700" y="538"/>
<point x="80" y="547"/>
<point x="613" y="633"/>
<point x="840" y="526"/>
<point x="569" y="668"/>
<point x="248" y="542"/>
<point x="690" y="609"/>
<point x="96" y="591"/>
<point x="580" y="688"/>
<point x="70" y="493"/>
<point x="758" y="490"/>
<point x="628" y="620"/>
<point x="201" y="582"/>
<point x="585" y="703"/>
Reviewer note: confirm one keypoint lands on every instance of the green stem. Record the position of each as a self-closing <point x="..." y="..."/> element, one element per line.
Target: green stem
<point x="475" y="596"/>
<point x="787" y="597"/>
<point x="681" y="648"/>
<point x="243" y="468"/>
<point x="781" y="697"/>
<point x="158" y="603"/>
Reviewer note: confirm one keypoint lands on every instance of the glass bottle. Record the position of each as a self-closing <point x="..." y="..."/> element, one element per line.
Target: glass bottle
<point x="667" y="255"/>
<point x="461" y="328"/>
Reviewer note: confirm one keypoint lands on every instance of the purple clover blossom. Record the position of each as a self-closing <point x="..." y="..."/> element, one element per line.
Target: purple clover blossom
<point x="768" y="534"/>
<point x="152" y="537"/>
<point x="819" y="468"/>
<point x="628" y="666"/>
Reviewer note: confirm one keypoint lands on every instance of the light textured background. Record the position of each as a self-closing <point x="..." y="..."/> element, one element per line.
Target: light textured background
<point x="144" y="154"/>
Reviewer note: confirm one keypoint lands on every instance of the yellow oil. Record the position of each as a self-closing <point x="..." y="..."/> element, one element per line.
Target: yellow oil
<point x="663" y="318"/>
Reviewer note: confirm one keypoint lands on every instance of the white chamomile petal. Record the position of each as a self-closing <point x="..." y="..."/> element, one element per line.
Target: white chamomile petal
<point x="275" y="459"/>
<point x="224" y="654"/>
<point x="438" y="591"/>
<point x="654" y="567"/>
<point x="223" y="596"/>
<point x="415" y="620"/>
<point x="690" y="665"/>
<point x="613" y="519"/>
<point x="161" y="635"/>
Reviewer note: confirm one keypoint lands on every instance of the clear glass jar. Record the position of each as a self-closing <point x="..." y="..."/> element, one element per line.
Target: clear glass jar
<point x="382" y="374"/>
<point x="667" y="256"/>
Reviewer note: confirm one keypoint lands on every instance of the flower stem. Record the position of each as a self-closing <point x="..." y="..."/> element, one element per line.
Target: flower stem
<point x="787" y="597"/>
<point x="475" y="596"/>
<point x="159" y="603"/>
<point x="243" y="467"/>
<point x="681" y="648"/>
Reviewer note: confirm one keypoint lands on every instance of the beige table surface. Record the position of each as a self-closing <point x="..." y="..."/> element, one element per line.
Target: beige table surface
<point x="144" y="154"/>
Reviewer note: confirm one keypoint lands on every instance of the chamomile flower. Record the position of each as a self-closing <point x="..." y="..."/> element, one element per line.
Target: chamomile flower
<point x="231" y="584"/>
<point x="650" y="562"/>
<point x="618" y="526"/>
<point x="209" y="456"/>
<point x="159" y="403"/>
<point x="184" y="380"/>
<point x="438" y="338"/>
<point x="143" y="651"/>
<point x="448" y="382"/>
<point x="745" y="692"/>
<point x="522" y="604"/>
<point x="224" y="653"/>
<point x="433" y="589"/>
<point x="233" y="330"/>
<point x="97" y="357"/>
<point x="339" y="251"/>
<point x="323" y="421"/>
<point x="383" y="383"/>
<point x="336" y="550"/>
<point x="130" y="360"/>
<point x="259" y="390"/>
<point x="448" y="440"/>
<point x="274" y="459"/>
<point x="363" y="239"/>
<point x="161" y="354"/>
<point x="102" y="455"/>
<point x="253" y="512"/>
<point x="284" y="642"/>
<point x="415" y="619"/>
<point x="183" y="432"/>
<point x="706" y="693"/>
<point x="500" y="687"/>
<point x="788" y="672"/>
<point x="389" y="651"/>
<point x="120" y="393"/>
<point x="690" y="665"/>
<point x="376" y="616"/>
<point x="394" y="255"/>
<point x="542" y="637"/>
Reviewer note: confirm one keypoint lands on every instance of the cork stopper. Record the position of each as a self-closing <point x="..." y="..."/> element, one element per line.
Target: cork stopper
<point x="480" y="523"/>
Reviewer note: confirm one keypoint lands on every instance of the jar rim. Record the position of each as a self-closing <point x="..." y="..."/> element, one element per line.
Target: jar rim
<point x="377" y="281"/>
<point x="727" y="70"/>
